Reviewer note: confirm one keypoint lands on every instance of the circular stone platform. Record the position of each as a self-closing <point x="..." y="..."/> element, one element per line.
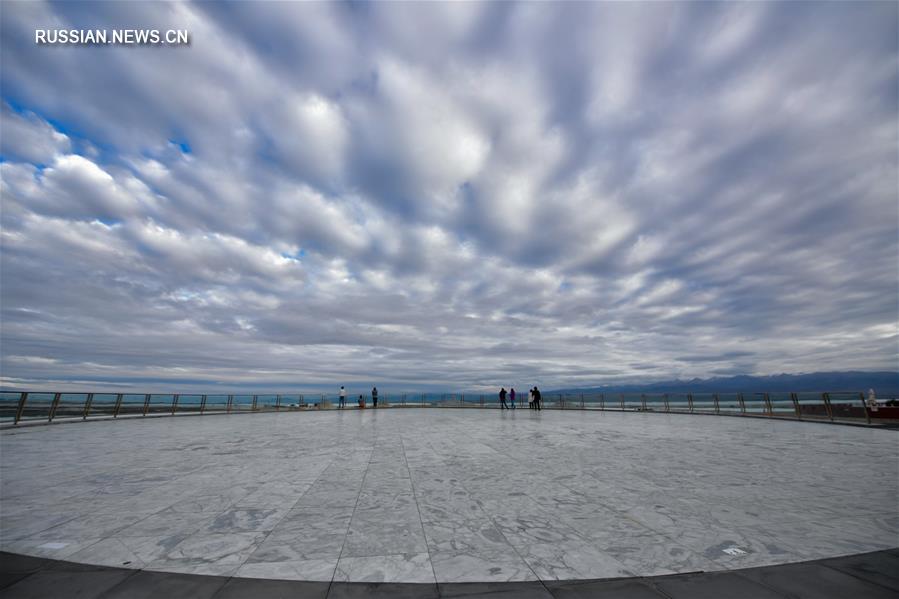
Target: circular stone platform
<point x="446" y="495"/>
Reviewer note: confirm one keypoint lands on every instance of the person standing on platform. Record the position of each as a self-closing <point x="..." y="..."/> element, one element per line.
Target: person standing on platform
<point x="361" y="402"/>
<point x="530" y="399"/>
<point x="342" y="402"/>
<point x="374" y="397"/>
<point x="537" y="398"/>
<point x="512" y="397"/>
<point x="502" y="399"/>
<point x="872" y="400"/>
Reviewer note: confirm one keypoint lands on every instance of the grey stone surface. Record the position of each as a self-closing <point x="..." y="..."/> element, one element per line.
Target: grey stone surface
<point x="714" y="586"/>
<point x="54" y="584"/>
<point x="13" y="563"/>
<point x="386" y="590"/>
<point x="880" y="568"/>
<point x="153" y="585"/>
<point x="437" y="495"/>
<point x="10" y="578"/>
<point x="253" y="588"/>
<point x="494" y="590"/>
<point x="821" y="579"/>
<point x="815" y="581"/>
<point x="604" y="589"/>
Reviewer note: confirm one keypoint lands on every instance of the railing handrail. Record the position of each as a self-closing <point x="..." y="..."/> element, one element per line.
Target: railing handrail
<point x="830" y="406"/>
<point x="273" y="394"/>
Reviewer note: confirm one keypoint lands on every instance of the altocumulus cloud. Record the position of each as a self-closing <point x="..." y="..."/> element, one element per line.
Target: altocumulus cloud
<point x="448" y="195"/>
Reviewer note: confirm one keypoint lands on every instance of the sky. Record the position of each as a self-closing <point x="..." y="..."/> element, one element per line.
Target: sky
<point x="447" y="196"/>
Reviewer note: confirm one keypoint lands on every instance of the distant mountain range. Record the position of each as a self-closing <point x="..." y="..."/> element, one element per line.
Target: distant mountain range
<point x="885" y="384"/>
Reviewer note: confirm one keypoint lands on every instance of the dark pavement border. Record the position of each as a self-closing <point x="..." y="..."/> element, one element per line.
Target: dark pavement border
<point x="872" y="575"/>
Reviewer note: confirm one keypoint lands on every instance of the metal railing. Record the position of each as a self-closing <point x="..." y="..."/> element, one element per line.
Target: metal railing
<point x="31" y="407"/>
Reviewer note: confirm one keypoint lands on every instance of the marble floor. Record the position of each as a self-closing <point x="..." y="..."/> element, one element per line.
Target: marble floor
<point x="418" y="495"/>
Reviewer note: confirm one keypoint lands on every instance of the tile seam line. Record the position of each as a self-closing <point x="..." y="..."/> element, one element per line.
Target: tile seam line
<point x="15" y="582"/>
<point x="232" y="577"/>
<point x="28" y="536"/>
<point x="489" y="518"/>
<point x="648" y="582"/>
<point x="590" y="541"/>
<point x="355" y="506"/>
<point x="780" y="592"/>
<point x="138" y="521"/>
<point x="853" y="575"/>
<point x="668" y="536"/>
<point x="269" y="533"/>
<point x="418" y="511"/>
<point x="660" y="533"/>
<point x="113" y="587"/>
<point x="741" y="573"/>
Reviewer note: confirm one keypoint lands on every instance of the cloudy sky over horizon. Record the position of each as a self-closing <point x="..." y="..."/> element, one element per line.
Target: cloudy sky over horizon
<point x="450" y="196"/>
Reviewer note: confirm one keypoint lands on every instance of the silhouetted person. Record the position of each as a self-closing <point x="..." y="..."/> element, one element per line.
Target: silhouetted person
<point x="374" y="397"/>
<point x="530" y="399"/>
<point x="361" y="402"/>
<point x="537" y="398"/>
<point x="502" y="398"/>
<point x="342" y="402"/>
<point x="872" y="400"/>
<point x="512" y="397"/>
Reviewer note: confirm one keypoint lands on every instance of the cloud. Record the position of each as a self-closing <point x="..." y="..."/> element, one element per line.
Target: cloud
<point x="29" y="138"/>
<point x="448" y="195"/>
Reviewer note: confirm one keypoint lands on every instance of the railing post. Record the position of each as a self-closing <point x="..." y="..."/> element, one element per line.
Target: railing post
<point x="717" y="403"/>
<point x="795" y="398"/>
<point x="53" y="407"/>
<point x="174" y="403"/>
<point x="202" y="404"/>
<point x="87" y="405"/>
<point x="254" y="403"/>
<point x="230" y="401"/>
<point x="861" y="397"/>
<point x="667" y="407"/>
<point x="690" y="401"/>
<point x="827" y="406"/>
<point x="146" y="403"/>
<point x="118" y="406"/>
<point x="643" y="400"/>
<point x="23" y="397"/>
<point x="742" y="404"/>
<point x="277" y="403"/>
